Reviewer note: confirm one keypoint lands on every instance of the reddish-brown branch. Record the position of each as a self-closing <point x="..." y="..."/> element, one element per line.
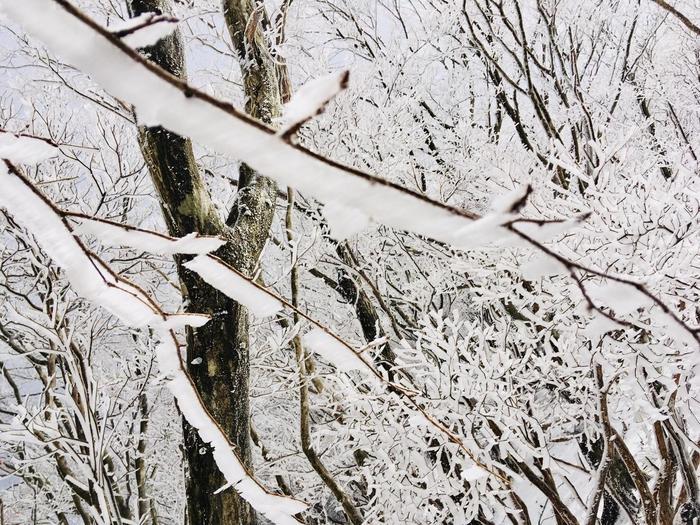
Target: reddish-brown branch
<point x="675" y="12"/>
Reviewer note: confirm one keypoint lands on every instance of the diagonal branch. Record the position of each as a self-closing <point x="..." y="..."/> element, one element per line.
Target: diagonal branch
<point x="55" y="234"/>
<point x="675" y="12"/>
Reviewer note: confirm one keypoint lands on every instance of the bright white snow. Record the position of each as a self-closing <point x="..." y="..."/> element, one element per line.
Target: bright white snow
<point x="144" y="30"/>
<point x="119" y="235"/>
<point x="332" y="350"/>
<point x="542" y="265"/>
<point x="343" y="221"/>
<point x="92" y="279"/>
<point x="159" y="100"/>
<point x="621" y="297"/>
<point x="89" y="276"/>
<point x="24" y="149"/>
<point x="279" y="509"/>
<point x="311" y="99"/>
<point x="222" y="277"/>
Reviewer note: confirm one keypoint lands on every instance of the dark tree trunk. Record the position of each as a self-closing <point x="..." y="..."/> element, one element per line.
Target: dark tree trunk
<point x="222" y="344"/>
<point x="619" y="489"/>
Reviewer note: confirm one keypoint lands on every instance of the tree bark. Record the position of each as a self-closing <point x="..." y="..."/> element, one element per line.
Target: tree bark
<point x="222" y="378"/>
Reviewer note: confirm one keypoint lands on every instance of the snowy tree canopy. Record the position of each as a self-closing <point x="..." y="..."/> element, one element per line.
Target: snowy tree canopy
<point x="350" y="262"/>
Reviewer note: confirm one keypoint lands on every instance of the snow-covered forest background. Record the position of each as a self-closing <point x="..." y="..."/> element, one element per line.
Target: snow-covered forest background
<point x="422" y="261"/>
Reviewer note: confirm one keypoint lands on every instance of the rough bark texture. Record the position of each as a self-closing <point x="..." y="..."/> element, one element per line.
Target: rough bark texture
<point x="260" y="75"/>
<point x="222" y="344"/>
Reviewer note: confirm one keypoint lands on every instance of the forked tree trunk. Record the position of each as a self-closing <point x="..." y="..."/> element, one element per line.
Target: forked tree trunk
<point x="222" y="344"/>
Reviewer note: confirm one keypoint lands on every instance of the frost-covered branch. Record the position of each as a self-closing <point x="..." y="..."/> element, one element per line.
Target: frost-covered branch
<point x="264" y="302"/>
<point x="675" y="12"/>
<point x="302" y="359"/>
<point x="608" y="447"/>
<point x="94" y="280"/>
<point x="160" y="98"/>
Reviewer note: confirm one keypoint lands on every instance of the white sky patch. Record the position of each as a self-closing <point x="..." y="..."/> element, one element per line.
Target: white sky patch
<point x="144" y="30"/>
<point x="23" y="149"/>
<point x="223" y="278"/>
<point x="119" y="235"/>
<point x="332" y="350"/>
<point x="158" y="101"/>
<point x="278" y="509"/>
<point x="311" y="99"/>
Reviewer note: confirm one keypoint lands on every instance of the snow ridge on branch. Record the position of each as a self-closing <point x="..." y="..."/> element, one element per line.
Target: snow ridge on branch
<point x="93" y="279"/>
<point x="311" y="100"/>
<point x="160" y="98"/>
<point x="144" y="30"/>
<point x="23" y="148"/>
<point x="320" y="339"/>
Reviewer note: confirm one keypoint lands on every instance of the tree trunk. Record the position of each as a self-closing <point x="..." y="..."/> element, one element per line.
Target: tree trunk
<point x="222" y="344"/>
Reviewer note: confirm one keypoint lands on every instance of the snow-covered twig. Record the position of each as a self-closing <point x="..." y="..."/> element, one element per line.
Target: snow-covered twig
<point x="311" y="100"/>
<point x="635" y="287"/>
<point x="144" y="30"/>
<point x="24" y="148"/>
<point x="111" y="232"/>
<point x="160" y="98"/>
<point x="94" y="280"/>
<point x="320" y="339"/>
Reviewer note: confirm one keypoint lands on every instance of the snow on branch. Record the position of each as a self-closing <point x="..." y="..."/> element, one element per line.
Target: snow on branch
<point x="235" y="285"/>
<point x="25" y="149"/>
<point x="311" y="100"/>
<point x="94" y="280"/>
<point x="116" y="234"/>
<point x="160" y="98"/>
<point x="144" y="30"/>
<point x="675" y="12"/>
<point x="261" y="302"/>
<point x="89" y="277"/>
<point x="617" y="289"/>
<point x="323" y="342"/>
<point x="332" y="350"/>
<point x="279" y="509"/>
<point x="227" y="279"/>
<point x="264" y="302"/>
